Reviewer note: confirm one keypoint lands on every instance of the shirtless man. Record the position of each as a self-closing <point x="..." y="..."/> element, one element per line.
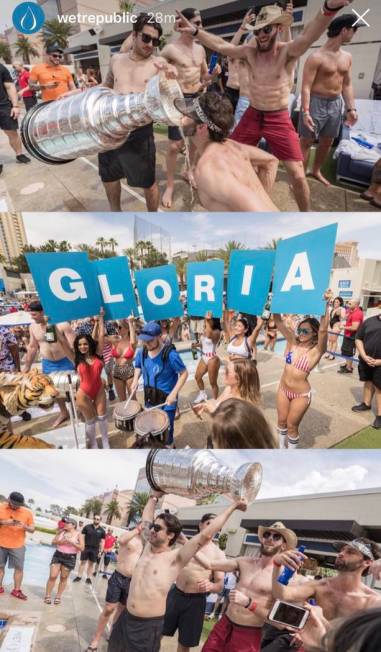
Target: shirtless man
<point x="53" y="354"/>
<point x="130" y="549"/>
<point x="189" y="58"/>
<point x="139" y="628"/>
<point x="327" y="76"/>
<point x="240" y="629"/>
<point x="339" y="596"/>
<point x="229" y="176"/>
<point x="272" y="64"/>
<point x="187" y="599"/>
<point x="135" y="160"/>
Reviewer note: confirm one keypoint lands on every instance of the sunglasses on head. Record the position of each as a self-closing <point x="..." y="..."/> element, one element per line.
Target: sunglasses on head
<point x="273" y="535"/>
<point x="303" y="331"/>
<point x="146" y="38"/>
<point x="155" y="527"/>
<point x="266" y="30"/>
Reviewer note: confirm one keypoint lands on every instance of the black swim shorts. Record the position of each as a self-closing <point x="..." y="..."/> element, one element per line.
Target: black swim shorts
<point x="117" y="588"/>
<point x="135" y="160"/>
<point x="370" y="374"/>
<point x="348" y="347"/>
<point x="90" y="554"/>
<point x="6" y="122"/>
<point x="134" y="634"/>
<point x="185" y="612"/>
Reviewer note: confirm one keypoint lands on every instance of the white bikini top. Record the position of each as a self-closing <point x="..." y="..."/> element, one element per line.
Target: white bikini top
<point x="239" y="350"/>
<point x="208" y="347"/>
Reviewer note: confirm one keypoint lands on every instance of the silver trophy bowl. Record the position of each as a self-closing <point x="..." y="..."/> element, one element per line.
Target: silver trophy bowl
<point x="64" y="381"/>
<point x="97" y="120"/>
<point x="198" y="473"/>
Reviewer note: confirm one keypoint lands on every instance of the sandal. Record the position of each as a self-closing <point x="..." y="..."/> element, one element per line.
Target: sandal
<point x="47" y="600"/>
<point x="57" y="600"/>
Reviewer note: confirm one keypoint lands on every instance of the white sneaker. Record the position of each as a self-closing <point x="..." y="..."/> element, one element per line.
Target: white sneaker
<point x="201" y="396"/>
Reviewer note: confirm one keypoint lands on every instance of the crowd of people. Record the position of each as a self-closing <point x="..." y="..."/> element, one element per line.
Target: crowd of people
<point x="164" y="583"/>
<point x="228" y="107"/>
<point x="113" y="360"/>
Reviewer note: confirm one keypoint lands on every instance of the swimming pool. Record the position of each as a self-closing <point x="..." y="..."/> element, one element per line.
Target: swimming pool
<point x="36" y="568"/>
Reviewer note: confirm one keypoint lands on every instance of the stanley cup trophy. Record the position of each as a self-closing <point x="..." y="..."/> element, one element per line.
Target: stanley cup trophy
<point x="198" y="473"/>
<point x="97" y="120"/>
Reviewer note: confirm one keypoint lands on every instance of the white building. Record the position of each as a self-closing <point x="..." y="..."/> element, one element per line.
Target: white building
<point x="363" y="282"/>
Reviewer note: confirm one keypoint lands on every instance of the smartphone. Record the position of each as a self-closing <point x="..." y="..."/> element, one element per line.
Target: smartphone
<point x="285" y="613"/>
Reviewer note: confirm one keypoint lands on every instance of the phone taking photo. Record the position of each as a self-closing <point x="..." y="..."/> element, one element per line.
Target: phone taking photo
<point x="290" y="615"/>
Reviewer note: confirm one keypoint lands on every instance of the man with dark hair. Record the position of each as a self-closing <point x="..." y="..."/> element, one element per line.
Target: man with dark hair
<point x="189" y="58"/>
<point x="139" y="628"/>
<point x="338" y="596"/>
<point x="52" y="350"/>
<point x="230" y="176"/>
<point x="15" y="521"/>
<point x="95" y="536"/>
<point x="368" y="344"/>
<point x="135" y="160"/>
<point x="272" y="64"/>
<point x="186" y="600"/>
<point x="51" y="77"/>
<point x="327" y="78"/>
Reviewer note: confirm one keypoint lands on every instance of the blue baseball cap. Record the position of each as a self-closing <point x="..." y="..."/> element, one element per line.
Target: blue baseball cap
<point x="150" y="330"/>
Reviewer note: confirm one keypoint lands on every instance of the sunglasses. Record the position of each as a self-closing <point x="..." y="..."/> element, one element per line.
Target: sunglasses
<point x="266" y="30"/>
<point x="57" y="56"/>
<point x="155" y="527"/>
<point x="146" y="38"/>
<point x="272" y="535"/>
<point x="303" y="331"/>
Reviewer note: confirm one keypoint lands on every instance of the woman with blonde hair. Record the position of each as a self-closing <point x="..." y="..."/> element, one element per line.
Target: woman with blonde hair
<point x="240" y="424"/>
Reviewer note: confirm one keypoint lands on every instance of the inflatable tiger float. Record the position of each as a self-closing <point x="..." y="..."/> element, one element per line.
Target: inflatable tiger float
<point x="18" y="392"/>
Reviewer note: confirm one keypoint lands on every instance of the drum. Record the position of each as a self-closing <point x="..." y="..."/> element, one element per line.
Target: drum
<point x="154" y="422"/>
<point x="61" y="381"/>
<point x="124" y="416"/>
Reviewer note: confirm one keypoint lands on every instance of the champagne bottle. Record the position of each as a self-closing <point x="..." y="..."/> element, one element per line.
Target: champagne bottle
<point x="50" y="334"/>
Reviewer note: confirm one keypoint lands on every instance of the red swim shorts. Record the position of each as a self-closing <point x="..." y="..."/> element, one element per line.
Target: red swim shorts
<point x="276" y="127"/>
<point x="228" y="637"/>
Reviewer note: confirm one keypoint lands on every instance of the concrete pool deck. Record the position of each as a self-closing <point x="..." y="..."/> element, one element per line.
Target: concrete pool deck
<point x="76" y="187"/>
<point x="328" y="421"/>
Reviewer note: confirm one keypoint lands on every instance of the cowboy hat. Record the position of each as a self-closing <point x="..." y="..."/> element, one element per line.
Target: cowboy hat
<point x="270" y="15"/>
<point x="288" y="535"/>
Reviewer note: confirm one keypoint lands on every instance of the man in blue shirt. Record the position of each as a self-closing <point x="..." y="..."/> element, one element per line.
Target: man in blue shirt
<point x="163" y="371"/>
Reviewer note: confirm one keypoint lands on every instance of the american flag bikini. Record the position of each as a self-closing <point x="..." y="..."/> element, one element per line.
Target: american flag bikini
<point x="302" y="364"/>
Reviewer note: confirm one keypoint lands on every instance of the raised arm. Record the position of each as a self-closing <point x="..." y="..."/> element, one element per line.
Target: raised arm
<point x="324" y="323"/>
<point x="131" y="534"/>
<point x="189" y="549"/>
<point x="226" y="323"/>
<point x="127" y="43"/>
<point x="254" y="335"/>
<point x="248" y="18"/>
<point x="286" y="332"/>
<point x="285" y="34"/>
<point x="101" y="332"/>
<point x="315" y="28"/>
<point x="212" y="41"/>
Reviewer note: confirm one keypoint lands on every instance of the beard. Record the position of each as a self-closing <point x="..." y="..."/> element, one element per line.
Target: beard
<point x="347" y="566"/>
<point x="266" y="47"/>
<point x="269" y="551"/>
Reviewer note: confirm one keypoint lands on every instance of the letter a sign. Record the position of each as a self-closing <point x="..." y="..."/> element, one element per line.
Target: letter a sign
<point x="302" y="271"/>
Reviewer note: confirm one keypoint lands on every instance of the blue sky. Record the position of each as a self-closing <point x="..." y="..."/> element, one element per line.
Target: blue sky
<point x="70" y="476"/>
<point x="191" y="231"/>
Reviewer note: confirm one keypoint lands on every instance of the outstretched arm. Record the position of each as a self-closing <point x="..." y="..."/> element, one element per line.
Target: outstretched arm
<point x="211" y="41"/>
<point x="189" y="549"/>
<point x="315" y="28"/>
<point x="292" y="559"/>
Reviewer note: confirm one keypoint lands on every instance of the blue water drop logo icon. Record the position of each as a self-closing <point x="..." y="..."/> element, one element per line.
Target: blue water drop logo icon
<point x="28" y="17"/>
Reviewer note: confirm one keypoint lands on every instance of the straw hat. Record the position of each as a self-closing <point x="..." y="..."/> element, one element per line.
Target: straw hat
<point x="270" y="15"/>
<point x="288" y="535"/>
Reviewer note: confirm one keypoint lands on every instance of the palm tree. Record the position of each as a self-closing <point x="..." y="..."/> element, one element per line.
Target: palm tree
<point x="180" y="269"/>
<point x="91" y="506"/>
<point x="25" y="49"/>
<point x="5" y="52"/>
<point x="230" y="246"/>
<point x="64" y="246"/>
<point x="273" y="244"/>
<point x="208" y="500"/>
<point x="126" y="7"/>
<point x="102" y="243"/>
<point x="113" y="244"/>
<point x="201" y="256"/>
<point x="56" y="33"/>
<point x="50" y="246"/>
<point x="131" y="255"/>
<point x="112" y="511"/>
<point x="137" y="505"/>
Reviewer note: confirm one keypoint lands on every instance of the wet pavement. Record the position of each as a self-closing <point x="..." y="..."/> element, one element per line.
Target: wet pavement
<point x="76" y="186"/>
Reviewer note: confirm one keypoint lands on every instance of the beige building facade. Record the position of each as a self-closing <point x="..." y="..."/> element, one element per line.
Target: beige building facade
<point x="12" y="235"/>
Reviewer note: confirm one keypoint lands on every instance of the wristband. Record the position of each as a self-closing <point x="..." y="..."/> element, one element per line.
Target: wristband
<point x="305" y="112"/>
<point x="247" y="606"/>
<point x="327" y="11"/>
<point x="253" y="606"/>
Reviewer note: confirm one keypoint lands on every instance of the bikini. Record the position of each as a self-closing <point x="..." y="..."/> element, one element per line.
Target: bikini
<point x="123" y="371"/>
<point x="90" y="377"/>
<point x="302" y="364"/>
<point x="242" y="350"/>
